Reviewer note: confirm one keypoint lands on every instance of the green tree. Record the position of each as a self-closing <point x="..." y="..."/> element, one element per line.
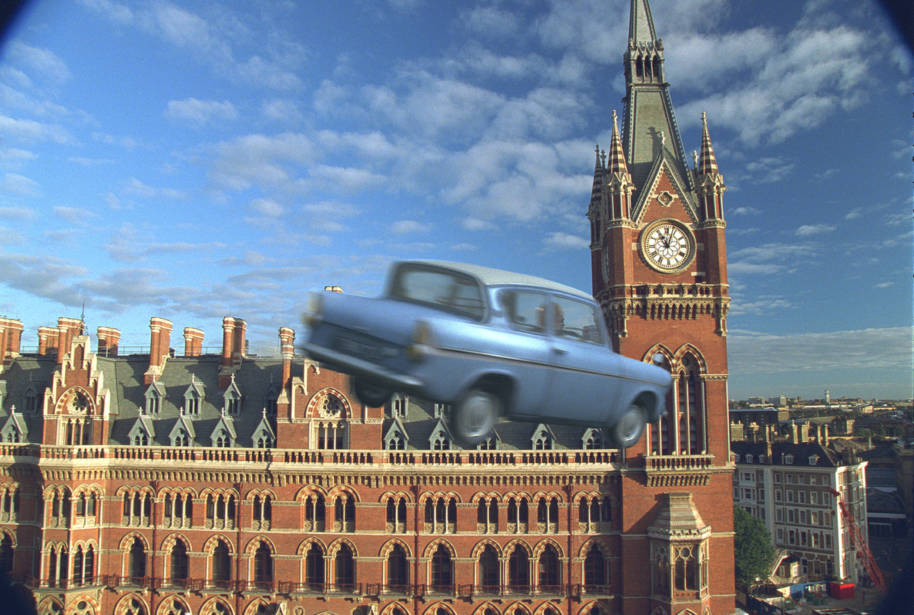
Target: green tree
<point x="752" y="548"/>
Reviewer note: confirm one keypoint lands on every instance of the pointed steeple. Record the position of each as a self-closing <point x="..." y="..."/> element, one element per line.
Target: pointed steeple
<point x="710" y="181"/>
<point x="649" y="132"/>
<point x="707" y="163"/>
<point x="616" y="154"/>
<point x="640" y="23"/>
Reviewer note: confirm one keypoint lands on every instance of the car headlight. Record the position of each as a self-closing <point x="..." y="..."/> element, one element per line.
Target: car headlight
<point x="421" y="341"/>
<point x="312" y="313"/>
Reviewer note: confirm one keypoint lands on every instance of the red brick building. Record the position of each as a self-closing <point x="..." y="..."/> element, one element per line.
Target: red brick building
<point x="169" y="483"/>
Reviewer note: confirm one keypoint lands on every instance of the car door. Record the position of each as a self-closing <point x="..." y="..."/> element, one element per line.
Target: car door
<point x="523" y="350"/>
<point x="583" y="383"/>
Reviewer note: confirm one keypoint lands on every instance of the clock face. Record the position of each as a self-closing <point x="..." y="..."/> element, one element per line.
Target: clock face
<point x="667" y="246"/>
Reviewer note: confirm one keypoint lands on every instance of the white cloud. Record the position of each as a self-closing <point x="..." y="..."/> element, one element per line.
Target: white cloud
<point x="814" y="229"/>
<point x="884" y="284"/>
<point x="259" y="160"/>
<point x="43" y="62"/>
<point x="567" y="241"/>
<point x="135" y="187"/>
<point x="490" y="21"/>
<point x="767" y="258"/>
<point x="475" y="224"/>
<point x="17" y="213"/>
<point x="401" y="227"/>
<point x="30" y="130"/>
<point x="75" y="215"/>
<point x="854" y="213"/>
<point x="18" y="184"/>
<point x="801" y="351"/>
<point x="281" y="110"/>
<point x="200" y="111"/>
<point x="267" y="207"/>
<point x="745" y="211"/>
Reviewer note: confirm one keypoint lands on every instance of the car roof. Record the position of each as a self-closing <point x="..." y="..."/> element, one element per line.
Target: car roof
<point x="499" y="277"/>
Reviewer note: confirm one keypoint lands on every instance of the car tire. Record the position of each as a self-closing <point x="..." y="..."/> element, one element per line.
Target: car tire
<point x="370" y="394"/>
<point x="628" y="429"/>
<point x="474" y="416"/>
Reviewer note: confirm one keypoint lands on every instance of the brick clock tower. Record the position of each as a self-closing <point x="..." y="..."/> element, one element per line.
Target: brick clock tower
<point x="660" y="275"/>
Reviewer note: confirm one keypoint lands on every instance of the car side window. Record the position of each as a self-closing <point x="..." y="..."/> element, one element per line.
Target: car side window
<point x="576" y="320"/>
<point x="525" y="309"/>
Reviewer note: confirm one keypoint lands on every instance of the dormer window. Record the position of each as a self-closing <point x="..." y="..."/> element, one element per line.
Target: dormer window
<point x="221" y="439"/>
<point x="232" y="402"/>
<point x="489" y="444"/>
<point x="395" y="442"/>
<point x="735" y="457"/>
<point x="141" y="439"/>
<point x="193" y="397"/>
<point x="788" y="459"/>
<point x="592" y="439"/>
<point x="748" y="458"/>
<point x="542" y="439"/>
<point x="441" y="443"/>
<point x="440" y="410"/>
<point x="154" y="395"/>
<point x="181" y="438"/>
<point x="813" y="460"/>
<point x="398" y="406"/>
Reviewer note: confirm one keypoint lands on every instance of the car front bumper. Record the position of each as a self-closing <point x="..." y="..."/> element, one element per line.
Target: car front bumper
<point x="363" y="369"/>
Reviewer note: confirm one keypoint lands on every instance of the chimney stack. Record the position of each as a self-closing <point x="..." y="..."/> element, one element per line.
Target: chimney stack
<point x="239" y="343"/>
<point x="68" y="329"/>
<point x="794" y="435"/>
<point x="13" y="337"/>
<point x="193" y="342"/>
<point x="825" y="435"/>
<point x="3" y="335"/>
<point x="48" y="338"/>
<point x="159" y="341"/>
<point x="286" y="341"/>
<point x="108" y="340"/>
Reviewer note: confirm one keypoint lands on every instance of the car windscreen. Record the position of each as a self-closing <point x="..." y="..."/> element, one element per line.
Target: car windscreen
<point x="439" y="288"/>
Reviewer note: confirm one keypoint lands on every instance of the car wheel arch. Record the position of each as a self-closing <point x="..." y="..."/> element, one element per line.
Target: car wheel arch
<point x="500" y="384"/>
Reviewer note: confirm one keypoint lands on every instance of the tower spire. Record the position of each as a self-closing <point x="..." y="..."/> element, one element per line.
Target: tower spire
<point x="616" y="154"/>
<point x="641" y="24"/>
<point x="707" y="163"/>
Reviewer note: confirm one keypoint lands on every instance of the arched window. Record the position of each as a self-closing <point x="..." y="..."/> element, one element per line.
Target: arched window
<point x="6" y="554"/>
<point x="137" y="565"/>
<point x="89" y="566"/>
<point x="221" y="564"/>
<point x="344" y="568"/>
<point x="549" y="570"/>
<point x="685" y="568"/>
<point x="519" y="570"/>
<point x="489" y="573"/>
<point x="314" y="568"/>
<point x="179" y="563"/>
<point x="442" y="570"/>
<point x="397" y="570"/>
<point x="78" y="561"/>
<point x="315" y="511"/>
<point x="263" y="565"/>
<point x="594" y="569"/>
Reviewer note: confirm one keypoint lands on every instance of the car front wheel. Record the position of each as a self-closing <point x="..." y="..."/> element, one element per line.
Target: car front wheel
<point x="370" y="394"/>
<point x="629" y="427"/>
<point x="474" y="416"/>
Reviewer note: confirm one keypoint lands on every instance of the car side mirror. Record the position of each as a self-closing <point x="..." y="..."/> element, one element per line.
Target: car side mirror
<point x="659" y="359"/>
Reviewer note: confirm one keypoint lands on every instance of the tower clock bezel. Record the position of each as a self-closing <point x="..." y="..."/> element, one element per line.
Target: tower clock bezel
<point x="684" y="234"/>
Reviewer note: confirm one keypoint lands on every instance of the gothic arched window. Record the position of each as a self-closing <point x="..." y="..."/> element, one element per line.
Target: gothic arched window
<point x="314" y="567"/>
<point x="442" y="570"/>
<point x="397" y="569"/>
<point x="344" y="567"/>
<point x="489" y="573"/>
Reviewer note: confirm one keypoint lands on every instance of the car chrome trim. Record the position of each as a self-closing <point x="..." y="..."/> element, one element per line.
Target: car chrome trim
<point x="506" y="359"/>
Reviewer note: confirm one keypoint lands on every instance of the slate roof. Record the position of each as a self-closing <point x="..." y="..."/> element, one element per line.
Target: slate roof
<point x="802" y="452"/>
<point x="257" y="378"/>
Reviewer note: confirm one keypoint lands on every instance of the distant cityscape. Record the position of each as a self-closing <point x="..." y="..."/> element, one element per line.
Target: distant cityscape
<point x="831" y="479"/>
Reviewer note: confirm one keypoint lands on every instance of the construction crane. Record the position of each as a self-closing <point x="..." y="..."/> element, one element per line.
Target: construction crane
<point x="863" y="550"/>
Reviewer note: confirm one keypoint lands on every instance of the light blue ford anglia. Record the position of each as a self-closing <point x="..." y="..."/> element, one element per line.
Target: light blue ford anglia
<point x="493" y="344"/>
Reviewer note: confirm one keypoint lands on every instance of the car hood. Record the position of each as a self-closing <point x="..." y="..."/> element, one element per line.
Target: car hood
<point x="649" y="372"/>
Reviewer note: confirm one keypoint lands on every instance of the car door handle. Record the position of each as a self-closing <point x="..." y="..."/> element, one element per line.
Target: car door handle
<point x="558" y="350"/>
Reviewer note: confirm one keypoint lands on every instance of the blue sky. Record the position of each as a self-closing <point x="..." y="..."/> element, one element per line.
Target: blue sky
<point x="200" y="159"/>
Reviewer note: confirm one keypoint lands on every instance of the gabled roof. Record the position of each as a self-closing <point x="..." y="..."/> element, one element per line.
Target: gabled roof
<point x="183" y="422"/>
<point x="664" y="162"/>
<point x="228" y="424"/>
<point x="263" y="429"/>
<point x="15" y="421"/>
<point x="142" y="423"/>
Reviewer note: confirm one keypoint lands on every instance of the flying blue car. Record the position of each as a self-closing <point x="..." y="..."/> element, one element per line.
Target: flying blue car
<point x="491" y="343"/>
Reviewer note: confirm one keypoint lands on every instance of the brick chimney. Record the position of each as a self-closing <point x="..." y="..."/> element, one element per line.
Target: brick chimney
<point x="48" y="338"/>
<point x="239" y="343"/>
<point x="68" y="329"/>
<point x="193" y="342"/>
<point x="824" y="441"/>
<point x="228" y="334"/>
<point x="108" y="340"/>
<point x="286" y="341"/>
<point x="159" y="341"/>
